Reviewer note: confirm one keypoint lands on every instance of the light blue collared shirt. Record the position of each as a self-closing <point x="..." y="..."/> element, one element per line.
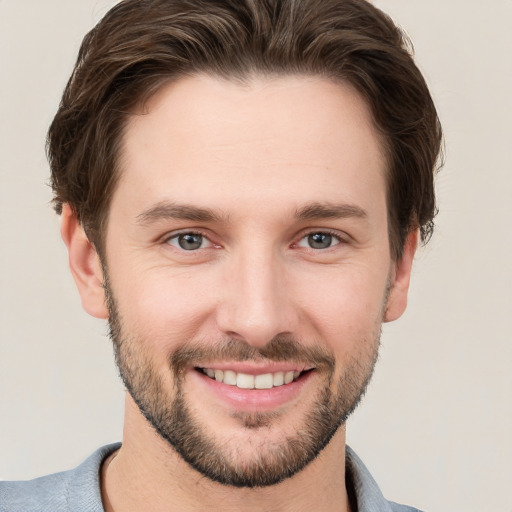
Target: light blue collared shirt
<point x="78" y="490"/>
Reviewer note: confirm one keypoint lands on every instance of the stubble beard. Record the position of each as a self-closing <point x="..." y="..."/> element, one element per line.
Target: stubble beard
<point x="174" y="421"/>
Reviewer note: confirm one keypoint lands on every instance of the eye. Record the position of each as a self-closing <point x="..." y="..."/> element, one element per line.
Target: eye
<point x="319" y="240"/>
<point x="189" y="241"/>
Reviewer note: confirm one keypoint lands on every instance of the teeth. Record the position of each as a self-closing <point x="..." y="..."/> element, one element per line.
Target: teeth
<point x="265" y="381"/>
<point x="246" y="381"/>
<point x="278" y="379"/>
<point x="230" y="378"/>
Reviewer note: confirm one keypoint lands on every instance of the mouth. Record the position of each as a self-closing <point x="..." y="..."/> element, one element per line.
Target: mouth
<point x="254" y="381"/>
<point x="249" y="387"/>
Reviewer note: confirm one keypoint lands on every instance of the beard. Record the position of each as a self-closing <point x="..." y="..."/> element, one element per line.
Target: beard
<point x="173" y="418"/>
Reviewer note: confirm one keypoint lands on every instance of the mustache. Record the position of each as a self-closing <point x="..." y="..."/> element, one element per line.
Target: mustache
<point x="278" y="349"/>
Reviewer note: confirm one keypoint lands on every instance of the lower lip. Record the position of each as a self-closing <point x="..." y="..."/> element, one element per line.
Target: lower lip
<point x="255" y="399"/>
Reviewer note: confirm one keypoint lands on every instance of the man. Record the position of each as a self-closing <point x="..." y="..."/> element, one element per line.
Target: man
<point x="242" y="187"/>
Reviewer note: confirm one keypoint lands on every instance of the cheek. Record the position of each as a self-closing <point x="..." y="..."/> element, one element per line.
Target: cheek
<point x="164" y="310"/>
<point x="345" y="306"/>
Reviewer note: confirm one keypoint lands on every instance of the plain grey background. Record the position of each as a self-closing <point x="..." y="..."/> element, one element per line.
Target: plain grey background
<point x="436" y="425"/>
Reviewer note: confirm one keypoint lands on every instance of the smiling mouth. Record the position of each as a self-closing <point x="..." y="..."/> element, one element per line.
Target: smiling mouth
<point x="248" y="381"/>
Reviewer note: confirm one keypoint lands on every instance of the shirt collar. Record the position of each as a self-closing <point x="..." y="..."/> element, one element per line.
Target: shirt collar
<point x="362" y="488"/>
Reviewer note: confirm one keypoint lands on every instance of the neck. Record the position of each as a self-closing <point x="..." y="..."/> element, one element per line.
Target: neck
<point x="147" y="474"/>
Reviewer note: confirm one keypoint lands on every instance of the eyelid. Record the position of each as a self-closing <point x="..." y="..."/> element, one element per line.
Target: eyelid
<point x="341" y="237"/>
<point x="175" y="234"/>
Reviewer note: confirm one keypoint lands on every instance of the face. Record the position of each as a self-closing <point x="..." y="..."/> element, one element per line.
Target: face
<point x="249" y="269"/>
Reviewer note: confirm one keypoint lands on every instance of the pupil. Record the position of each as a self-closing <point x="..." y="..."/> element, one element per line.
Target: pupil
<point x="320" y="240"/>
<point x="190" y="241"/>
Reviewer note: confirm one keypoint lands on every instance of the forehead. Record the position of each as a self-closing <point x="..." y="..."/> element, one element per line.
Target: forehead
<point x="293" y="138"/>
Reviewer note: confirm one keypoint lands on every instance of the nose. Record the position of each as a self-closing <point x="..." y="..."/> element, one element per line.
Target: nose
<point x="256" y="303"/>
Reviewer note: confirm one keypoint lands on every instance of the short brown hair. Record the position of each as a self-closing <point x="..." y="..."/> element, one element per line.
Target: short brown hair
<point x="141" y="44"/>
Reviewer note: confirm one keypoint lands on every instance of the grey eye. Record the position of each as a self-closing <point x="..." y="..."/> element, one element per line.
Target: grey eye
<point x="187" y="241"/>
<point x="319" y="241"/>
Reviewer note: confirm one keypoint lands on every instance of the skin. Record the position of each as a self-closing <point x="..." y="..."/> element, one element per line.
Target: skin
<point x="254" y="155"/>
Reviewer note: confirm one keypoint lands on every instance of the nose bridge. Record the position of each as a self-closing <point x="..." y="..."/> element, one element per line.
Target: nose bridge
<point x="256" y="305"/>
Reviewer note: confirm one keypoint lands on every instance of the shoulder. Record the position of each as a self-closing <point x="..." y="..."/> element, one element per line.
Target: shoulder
<point x="68" y="491"/>
<point x="45" y="493"/>
<point x="396" y="507"/>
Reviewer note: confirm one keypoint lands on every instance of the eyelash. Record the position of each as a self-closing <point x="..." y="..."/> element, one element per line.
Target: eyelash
<point x="335" y="235"/>
<point x="175" y="236"/>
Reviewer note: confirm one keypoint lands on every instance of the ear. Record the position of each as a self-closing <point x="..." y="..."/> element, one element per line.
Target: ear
<point x="400" y="279"/>
<point x="84" y="264"/>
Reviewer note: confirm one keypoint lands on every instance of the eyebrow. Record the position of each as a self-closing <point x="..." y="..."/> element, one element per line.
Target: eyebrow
<point x="315" y="211"/>
<point x="168" y="210"/>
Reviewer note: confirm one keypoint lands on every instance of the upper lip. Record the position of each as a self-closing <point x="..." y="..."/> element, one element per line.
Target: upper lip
<point x="256" y="369"/>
